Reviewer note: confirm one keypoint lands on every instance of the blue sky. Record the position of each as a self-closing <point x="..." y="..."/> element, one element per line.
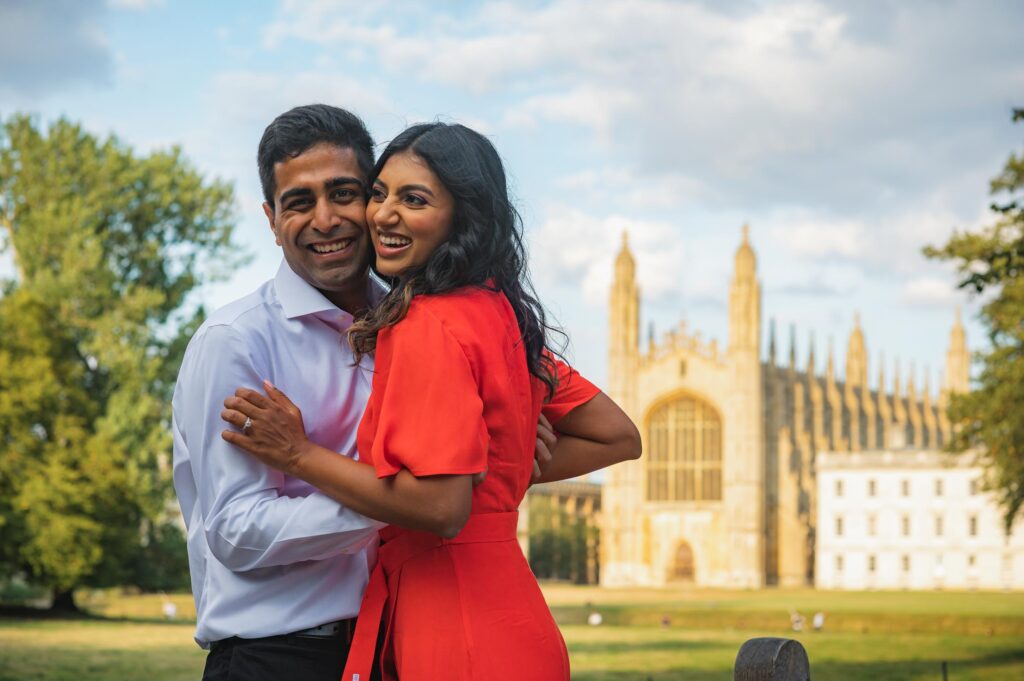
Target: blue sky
<point x="848" y="135"/>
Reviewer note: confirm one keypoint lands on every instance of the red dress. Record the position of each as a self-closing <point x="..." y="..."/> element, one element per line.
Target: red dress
<point x="452" y="395"/>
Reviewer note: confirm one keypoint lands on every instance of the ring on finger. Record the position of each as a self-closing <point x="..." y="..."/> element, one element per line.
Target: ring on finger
<point x="247" y="425"/>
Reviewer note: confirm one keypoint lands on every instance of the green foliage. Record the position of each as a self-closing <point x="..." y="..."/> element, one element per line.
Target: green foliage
<point x="991" y="261"/>
<point x="558" y="541"/>
<point x="107" y="245"/>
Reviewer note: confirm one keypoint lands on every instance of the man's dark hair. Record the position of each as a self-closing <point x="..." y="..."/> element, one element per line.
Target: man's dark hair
<point x="295" y="132"/>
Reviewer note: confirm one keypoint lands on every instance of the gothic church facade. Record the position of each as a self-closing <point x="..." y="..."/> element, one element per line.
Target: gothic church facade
<point x="724" y="494"/>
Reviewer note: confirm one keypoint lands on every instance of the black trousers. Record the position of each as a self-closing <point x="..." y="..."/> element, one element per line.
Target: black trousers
<point x="277" y="658"/>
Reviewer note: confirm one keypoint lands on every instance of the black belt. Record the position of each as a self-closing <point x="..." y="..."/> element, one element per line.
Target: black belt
<point x="340" y="630"/>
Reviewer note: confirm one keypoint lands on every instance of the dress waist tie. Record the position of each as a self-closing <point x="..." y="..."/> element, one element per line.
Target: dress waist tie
<point x="399" y="546"/>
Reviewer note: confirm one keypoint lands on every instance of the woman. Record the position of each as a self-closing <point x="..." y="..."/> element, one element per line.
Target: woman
<point x="462" y="374"/>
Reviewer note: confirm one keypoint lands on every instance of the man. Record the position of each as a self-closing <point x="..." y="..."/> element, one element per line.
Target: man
<point x="279" y="569"/>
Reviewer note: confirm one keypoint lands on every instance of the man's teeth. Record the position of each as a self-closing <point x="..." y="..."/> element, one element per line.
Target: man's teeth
<point x="394" y="241"/>
<point x="332" y="247"/>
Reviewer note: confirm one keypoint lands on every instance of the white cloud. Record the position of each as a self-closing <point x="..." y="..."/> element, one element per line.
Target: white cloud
<point x="932" y="291"/>
<point x="808" y="100"/>
<point x="572" y="246"/>
<point x="818" y="239"/>
<point x="637" y="191"/>
<point x="890" y="242"/>
<point x="591" y="107"/>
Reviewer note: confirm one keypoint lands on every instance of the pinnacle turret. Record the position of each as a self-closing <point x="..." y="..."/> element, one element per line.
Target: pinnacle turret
<point x="856" y="356"/>
<point x="958" y="359"/>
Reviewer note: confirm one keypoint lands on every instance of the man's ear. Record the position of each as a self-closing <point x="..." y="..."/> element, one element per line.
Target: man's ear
<point x="268" y="210"/>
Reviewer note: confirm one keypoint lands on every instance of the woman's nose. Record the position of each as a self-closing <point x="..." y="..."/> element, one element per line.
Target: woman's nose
<point x="385" y="214"/>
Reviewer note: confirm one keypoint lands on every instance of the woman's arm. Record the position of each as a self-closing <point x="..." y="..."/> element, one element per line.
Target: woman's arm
<point x="277" y="437"/>
<point x="592" y="436"/>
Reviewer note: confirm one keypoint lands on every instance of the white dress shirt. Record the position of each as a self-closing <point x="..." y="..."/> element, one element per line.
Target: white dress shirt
<point x="270" y="554"/>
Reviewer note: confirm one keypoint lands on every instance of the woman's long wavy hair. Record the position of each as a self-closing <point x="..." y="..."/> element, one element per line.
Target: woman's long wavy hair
<point x="485" y="243"/>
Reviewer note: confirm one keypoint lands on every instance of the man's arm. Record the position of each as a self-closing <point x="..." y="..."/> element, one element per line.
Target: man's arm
<point x="248" y="523"/>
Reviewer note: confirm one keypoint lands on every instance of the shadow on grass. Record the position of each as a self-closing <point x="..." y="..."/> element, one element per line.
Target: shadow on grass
<point x="638" y="648"/>
<point x="29" y="614"/>
<point x="927" y="668"/>
<point x="891" y="670"/>
<point x="673" y="674"/>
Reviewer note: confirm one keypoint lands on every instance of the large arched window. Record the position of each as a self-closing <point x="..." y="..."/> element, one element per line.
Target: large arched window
<point x="684" y="458"/>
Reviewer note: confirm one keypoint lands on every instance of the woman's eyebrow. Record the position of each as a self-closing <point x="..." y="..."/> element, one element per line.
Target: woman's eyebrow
<point x="415" y="188"/>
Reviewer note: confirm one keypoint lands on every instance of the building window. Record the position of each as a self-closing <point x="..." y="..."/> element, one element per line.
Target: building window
<point x="975" y="486"/>
<point x="972" y="526"/>
<point x="839" y="488"/>
<point x="938" y="487"/>
<point x="970" y="560"/>
<point x="905" y="525"/>
<point x="938" y="526"/>
<point x="871" y="525"/>
<point x="685" y="444"/>
<point x="839" y="526"/>
<point x="839" y="563"/>
<point x="872" y="488"/>
<point x="871" y="563"/>
<point x="905" y="488"/>
<point x="905" y="561"/>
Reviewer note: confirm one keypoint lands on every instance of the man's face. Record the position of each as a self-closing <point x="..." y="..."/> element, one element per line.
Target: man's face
<point x="319" y="221"/>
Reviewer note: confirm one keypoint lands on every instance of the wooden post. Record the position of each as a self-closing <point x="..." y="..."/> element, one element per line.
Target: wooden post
<point x="772" y="659"/>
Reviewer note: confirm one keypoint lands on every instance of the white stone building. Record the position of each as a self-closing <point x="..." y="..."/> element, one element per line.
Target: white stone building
<point x="911" y="519"/>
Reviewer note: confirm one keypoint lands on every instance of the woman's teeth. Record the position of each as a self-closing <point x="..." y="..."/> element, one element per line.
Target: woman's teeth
<point x="331" y="247"/>
<point x="394" y="241"/>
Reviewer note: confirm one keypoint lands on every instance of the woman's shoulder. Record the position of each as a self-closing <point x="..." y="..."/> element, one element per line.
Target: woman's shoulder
<point x="466" y="312"/>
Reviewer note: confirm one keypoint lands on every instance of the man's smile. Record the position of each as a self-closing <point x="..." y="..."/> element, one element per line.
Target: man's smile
<point x="329" y="247"/>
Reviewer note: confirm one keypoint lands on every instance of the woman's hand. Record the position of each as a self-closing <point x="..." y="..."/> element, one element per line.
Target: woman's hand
<point x="274" y="432"/>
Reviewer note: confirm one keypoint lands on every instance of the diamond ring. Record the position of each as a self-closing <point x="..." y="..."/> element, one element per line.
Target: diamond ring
<point x="247" y="425"/>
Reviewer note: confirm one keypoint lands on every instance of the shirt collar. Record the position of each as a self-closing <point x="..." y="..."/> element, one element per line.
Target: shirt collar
<point x="298" y="298"/>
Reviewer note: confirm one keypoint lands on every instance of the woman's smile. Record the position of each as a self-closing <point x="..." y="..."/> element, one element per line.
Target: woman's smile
<point x="409" y="213"/>
<point x="389" y="245"/>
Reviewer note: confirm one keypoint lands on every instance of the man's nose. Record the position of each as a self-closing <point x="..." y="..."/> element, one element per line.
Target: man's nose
<point x="325" y="217"/>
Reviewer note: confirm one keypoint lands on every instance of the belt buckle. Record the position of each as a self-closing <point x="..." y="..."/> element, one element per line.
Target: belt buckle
<point x="328" y="630"/>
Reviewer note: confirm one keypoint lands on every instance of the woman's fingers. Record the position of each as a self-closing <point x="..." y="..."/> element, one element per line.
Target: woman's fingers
<point x="276" y="395"/>
<point x="245" y="405"/>
<point x="254" y="398"/>
<point x="234" y="417"/>
<point x="241" y="441"/>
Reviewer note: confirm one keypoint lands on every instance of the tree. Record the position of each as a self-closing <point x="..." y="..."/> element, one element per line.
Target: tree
<point x="991" y="260"/>
<point x="106" y="245"/>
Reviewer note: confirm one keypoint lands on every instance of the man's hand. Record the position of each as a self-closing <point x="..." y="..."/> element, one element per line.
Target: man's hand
<point x="546" y="440"/>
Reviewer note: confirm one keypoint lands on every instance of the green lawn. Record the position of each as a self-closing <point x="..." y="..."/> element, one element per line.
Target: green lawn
<point x="876" y="636"/>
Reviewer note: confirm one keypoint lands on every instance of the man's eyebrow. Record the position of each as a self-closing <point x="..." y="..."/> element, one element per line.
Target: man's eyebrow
<point x="342" y="181"/>
<point x="292" y="193"/>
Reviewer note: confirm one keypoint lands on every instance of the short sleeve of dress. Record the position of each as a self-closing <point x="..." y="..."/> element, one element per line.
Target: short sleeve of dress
<point x="572" y="391"/>
<point x="429" y="411"/>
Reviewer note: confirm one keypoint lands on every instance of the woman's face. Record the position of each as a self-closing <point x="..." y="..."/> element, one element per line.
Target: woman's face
<point x="409" y="213"/>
